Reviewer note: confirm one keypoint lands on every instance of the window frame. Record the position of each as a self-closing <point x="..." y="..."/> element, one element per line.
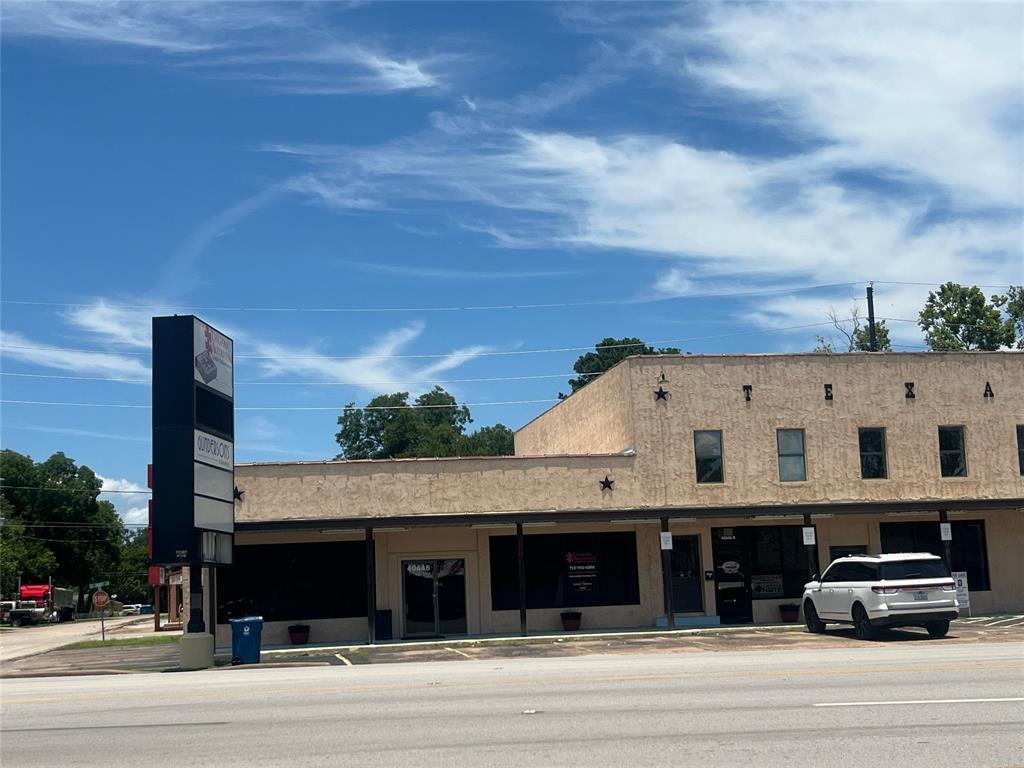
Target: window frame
<point x="962" y="451"/>
<point x="721" y="456"/>
<point x="883" y="453"/>
<point x="780" y="455"/>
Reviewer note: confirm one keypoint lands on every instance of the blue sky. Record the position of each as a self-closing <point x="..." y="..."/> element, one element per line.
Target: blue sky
<point x="702" y="175"/>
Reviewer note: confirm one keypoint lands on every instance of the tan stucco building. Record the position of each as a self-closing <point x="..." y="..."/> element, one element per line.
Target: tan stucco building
<point x="736" y="458"/>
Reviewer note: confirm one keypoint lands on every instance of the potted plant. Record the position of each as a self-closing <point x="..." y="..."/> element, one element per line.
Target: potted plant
<point x="789" y="612"/>
<point x="571" y="620"/>
<point x="298" y="634"/>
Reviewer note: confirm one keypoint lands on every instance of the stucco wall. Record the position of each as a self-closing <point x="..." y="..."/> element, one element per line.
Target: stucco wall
<point x="595" y="419"/>
<point x="380" y="489"/>
<point x="788" y="392"/>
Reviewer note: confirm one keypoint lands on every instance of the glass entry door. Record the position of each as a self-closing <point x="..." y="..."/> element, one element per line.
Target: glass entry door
<point x="687" y="579"/>
<point x="434" y="595"/>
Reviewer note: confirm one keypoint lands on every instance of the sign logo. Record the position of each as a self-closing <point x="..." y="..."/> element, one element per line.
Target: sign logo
<point x="214" y="450"/>
<point x="730" y="566"/>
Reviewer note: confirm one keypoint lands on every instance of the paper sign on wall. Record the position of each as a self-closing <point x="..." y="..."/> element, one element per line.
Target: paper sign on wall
<point x="809" y="539"/>
<point x="666" y="540"/>
<point x="946" y="531"/>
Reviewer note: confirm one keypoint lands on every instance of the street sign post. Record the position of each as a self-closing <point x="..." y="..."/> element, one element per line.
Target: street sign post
<point x="101" y="600"/>
<point x="99" y="584"/>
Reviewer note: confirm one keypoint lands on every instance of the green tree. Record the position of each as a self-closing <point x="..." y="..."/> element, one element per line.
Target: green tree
<point x="607" y="353"/>
<point x="1012" y="303"/>
<point x="959" y="317"/>
<point x="129" y="579"/>
<point x="434" y="424"/>
<point x="58" y="502"/>
<point x="22" y="554"/>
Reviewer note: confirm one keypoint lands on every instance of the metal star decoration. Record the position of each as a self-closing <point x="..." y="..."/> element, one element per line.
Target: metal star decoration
<point x="607" y="483"/>
<point x="238" y="494"/>
<point x="661" y="394"/>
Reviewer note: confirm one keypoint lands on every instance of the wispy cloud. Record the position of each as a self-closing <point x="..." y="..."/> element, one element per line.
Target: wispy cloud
<point x="16" y="346"/>
<point x="112" y="323"/>
<point x="380" y="364"/>
<point x="78" y="433"/>
<point x="284" y="48"/>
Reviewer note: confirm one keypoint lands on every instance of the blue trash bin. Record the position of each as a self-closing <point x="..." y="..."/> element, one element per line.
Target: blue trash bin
<point x="245" y="640"/>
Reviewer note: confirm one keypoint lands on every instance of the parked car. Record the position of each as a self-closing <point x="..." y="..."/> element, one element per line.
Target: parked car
<point x="131" y="610"/>
<point x="874" y="592"/>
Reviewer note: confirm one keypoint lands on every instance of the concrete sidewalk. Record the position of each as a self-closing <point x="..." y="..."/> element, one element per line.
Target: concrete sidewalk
<point x="28" y="641"/>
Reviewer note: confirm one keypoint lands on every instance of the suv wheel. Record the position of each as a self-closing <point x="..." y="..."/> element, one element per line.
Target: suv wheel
<point x="811" y="621"/>
<point x="862" y="624"/>
<point x="16" y="621"/>
<point x="937" y="628"/>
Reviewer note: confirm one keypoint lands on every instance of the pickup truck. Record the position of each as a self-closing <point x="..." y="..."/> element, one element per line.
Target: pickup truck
<point x="21" y="612"/>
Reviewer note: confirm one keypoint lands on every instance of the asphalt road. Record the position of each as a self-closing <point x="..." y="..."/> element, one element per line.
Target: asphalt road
<point x="878" y="704"/>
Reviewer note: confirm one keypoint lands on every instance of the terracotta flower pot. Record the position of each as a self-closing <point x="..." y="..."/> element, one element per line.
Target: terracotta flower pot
<point x="298" y="634"/>
<point x="571" y="620"/>
<point x="789" y="612"/>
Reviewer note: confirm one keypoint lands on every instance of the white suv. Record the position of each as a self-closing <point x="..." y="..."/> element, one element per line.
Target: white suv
<point x="875" y="591"/>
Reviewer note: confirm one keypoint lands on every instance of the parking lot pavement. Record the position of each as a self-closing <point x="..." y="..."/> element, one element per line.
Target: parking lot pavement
<point x="164" y="658"/>
<point x="26" y="641"/>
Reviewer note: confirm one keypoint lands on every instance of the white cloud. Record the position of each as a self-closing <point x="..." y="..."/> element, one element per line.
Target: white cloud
<point x="926" y="90"/>
<point x="130" y="503"/>
<point x="16" y="346"/>
<point x="380" y="364"/>
<point x="114" y="323"/>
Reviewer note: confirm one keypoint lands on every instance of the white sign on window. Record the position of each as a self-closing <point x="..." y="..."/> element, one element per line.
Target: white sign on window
<point x="946" y="531"/>
<point x="666" y="540"/>
<point x="809" y="539"/>
<point x="213" y="358"/>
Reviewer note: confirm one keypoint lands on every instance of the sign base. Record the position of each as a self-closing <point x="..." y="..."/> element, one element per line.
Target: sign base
<point x="196" y="651"/>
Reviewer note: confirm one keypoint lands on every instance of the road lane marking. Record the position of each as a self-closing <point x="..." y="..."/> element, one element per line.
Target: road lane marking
<point x="461" y="653"/>
<point x="922" y="701"/>
<point x="345" y="661"/>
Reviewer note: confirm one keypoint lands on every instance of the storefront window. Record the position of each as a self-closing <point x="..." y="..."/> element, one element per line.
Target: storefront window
<point x="567" y="570"/>
<point x="289" y="582"/>
<point x="967" y="549"/>
<point x="774" y="555"/>
<point x="791" y="455"/>
<point x="952" y="455"/>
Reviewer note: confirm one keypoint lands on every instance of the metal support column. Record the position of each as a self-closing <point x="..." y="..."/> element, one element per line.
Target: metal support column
<point x="211" y="582"/>
<point x="195" y="600"/>
<point x="813" y="566"/>
<point x="521" y="568"/>
<point x="666" y="578"/>
<point x="944" y="518"/>
<point x="371" y="588"/>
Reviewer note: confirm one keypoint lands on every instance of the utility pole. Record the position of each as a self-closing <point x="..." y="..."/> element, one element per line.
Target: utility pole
<point x="872" y="339"/>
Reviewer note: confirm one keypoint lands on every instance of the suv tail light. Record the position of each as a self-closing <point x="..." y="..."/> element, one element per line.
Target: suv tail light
<point x="885" y="590"/>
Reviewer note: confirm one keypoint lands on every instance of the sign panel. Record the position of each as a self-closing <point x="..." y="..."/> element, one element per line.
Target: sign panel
<point x="666" y="540"/>
<point x="100" y="599"/>
<point x="215" y="483"/>
<point x="809" y="538"/>
<point x="963" y="594"/>
<point x="582" y="571"/>
<point x="213" y="358"/>
<point x="214" y="450"/>
<point x="946" y="531"/>
<point x="214" y="515"/>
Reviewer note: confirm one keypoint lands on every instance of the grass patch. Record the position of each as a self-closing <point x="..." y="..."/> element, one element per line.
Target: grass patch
<point x="123" y="641"/>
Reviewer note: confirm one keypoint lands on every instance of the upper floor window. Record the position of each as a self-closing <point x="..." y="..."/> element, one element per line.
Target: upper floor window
<point x="952" y="453"/>
<point x="1020" y="447"/>
<point x="707" y="449"/>
<point x="791" y="455"/>
<point x="872" y="453"/>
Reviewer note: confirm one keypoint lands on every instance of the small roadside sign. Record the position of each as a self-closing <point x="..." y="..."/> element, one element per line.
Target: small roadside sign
<point x="963" y="594"/>
<point x="100" y="599"/>
<point x="99" y="584"/>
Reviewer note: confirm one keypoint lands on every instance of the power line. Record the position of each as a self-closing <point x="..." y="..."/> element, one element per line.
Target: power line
<point x="395" y="383"/>
<point x="458" y="308"/>
<point x="486" y="353"/>
<point x="63" y="490"/>
<point x="933" y="285"/>
<point x="413" y="406"/>
<point x="61" y="524"/>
